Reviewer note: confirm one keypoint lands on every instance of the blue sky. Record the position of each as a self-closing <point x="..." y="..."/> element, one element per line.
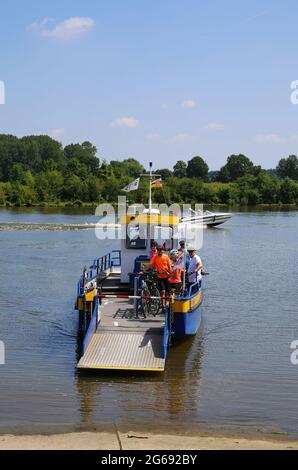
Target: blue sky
<point x="159" y="80"/>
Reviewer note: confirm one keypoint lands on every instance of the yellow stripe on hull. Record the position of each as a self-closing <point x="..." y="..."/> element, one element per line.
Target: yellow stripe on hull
<point x="80" y="303"/>
<point x="89" y="296"/>
<point x="184" y="306"/>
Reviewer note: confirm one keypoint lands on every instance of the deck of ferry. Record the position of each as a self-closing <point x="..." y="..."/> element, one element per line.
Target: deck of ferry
<point x="123" y="340"/>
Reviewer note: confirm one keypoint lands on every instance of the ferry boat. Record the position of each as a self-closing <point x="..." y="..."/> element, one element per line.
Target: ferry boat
<point x="122" y="326"/>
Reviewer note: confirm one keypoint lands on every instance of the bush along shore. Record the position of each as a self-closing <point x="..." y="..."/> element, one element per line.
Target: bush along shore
<point x="39" y="171"/>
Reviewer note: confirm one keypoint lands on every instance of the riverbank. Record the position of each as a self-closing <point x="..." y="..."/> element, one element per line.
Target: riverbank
<point x="136" y="440"/>
<point x="91" y="206"/>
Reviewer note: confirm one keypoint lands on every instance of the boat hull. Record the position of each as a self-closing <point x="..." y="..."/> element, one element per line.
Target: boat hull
<point x="207" y="220"/>
<point x="187" y="316"/>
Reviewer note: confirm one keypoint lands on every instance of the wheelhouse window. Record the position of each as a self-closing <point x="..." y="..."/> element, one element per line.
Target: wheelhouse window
<point x="136" y="236"/>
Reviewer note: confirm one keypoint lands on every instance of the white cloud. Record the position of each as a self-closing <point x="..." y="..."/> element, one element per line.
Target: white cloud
<point x="269" y="139"/>
<point x="214" y="126"/>
<point x="188" y="104"/>
<point x="183" y="138"/>
<point x="68" y="29"/>
<point x="59" y="132"/>
<point x="125" y="121"/>
<point x="40" y="25"/>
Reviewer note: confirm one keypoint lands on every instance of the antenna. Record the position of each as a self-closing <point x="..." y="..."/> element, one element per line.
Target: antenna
<point x="150" y="182"/>
<point x="150" y="189"/>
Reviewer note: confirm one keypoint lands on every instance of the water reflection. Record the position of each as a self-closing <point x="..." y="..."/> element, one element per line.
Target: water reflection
<point x="168" y="395"/>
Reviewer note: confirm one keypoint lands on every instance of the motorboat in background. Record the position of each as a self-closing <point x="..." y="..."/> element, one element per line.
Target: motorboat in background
<point x="210" y="219"/>
<point x="198" y="217"/>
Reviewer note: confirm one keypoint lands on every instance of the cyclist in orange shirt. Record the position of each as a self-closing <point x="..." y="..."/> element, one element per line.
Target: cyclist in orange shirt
<point x="161" y="262"/>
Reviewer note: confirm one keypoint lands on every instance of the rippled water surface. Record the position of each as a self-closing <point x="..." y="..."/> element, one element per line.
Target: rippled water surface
<point x="237" y="369"/>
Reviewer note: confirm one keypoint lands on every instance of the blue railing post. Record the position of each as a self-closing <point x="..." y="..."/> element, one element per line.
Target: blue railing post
<point x="102" y="264"/>
<point x="197" y="285"/>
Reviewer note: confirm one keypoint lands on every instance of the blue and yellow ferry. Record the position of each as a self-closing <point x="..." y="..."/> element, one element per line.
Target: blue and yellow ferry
<point x="116" y="333"/>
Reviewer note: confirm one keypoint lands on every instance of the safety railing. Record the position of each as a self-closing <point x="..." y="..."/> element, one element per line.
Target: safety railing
<point x="116" y="258"/>
<point x="194" y="288"/>
<point x="99" y="265"/>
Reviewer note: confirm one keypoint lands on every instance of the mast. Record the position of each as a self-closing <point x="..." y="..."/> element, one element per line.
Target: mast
<point x="150" y="176"/>
<point x="184" y="261"/>
<point x="150" y="189"/>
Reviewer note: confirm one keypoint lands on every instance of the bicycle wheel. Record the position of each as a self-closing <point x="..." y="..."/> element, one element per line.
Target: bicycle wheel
<point x="144" y="302"/>
<point x="155" y="304"/>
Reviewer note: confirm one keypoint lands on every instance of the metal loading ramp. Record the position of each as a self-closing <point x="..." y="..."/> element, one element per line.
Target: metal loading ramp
<point x="125" y="350"/>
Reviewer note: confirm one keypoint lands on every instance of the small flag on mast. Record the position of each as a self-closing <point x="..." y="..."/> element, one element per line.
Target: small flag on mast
<point x="132" y="186"/>
<point x="157" y="183"/>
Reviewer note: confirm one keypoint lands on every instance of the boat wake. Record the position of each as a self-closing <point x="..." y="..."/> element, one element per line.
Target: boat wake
<point x="25" y="226"/>
<point x="55" y="227"/>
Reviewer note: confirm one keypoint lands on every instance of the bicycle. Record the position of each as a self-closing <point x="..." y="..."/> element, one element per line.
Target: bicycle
<point x="150" y="289"/>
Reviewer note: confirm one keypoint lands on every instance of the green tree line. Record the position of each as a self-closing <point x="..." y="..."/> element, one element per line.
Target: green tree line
<point x="39" y="170"/>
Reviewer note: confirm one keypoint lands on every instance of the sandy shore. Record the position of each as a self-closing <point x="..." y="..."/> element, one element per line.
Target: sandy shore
<point x="136" y="440"/>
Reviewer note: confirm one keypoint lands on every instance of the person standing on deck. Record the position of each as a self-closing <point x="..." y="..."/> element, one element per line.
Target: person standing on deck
<point x="153" y="250"/>
<point x="161" y="262"/>
<point x="175" y="281"/>
<point x="183" y="251"/>
<point x="195" y="267"/>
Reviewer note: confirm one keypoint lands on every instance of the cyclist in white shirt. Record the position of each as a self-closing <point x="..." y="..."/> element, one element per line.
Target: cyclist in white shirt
<point x="195" y="266"/>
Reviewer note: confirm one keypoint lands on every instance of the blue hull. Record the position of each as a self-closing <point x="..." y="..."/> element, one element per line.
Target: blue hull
<point x="187" y="324"/>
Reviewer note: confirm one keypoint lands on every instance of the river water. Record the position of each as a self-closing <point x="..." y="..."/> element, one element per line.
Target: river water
<point x="236" y="370"/>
